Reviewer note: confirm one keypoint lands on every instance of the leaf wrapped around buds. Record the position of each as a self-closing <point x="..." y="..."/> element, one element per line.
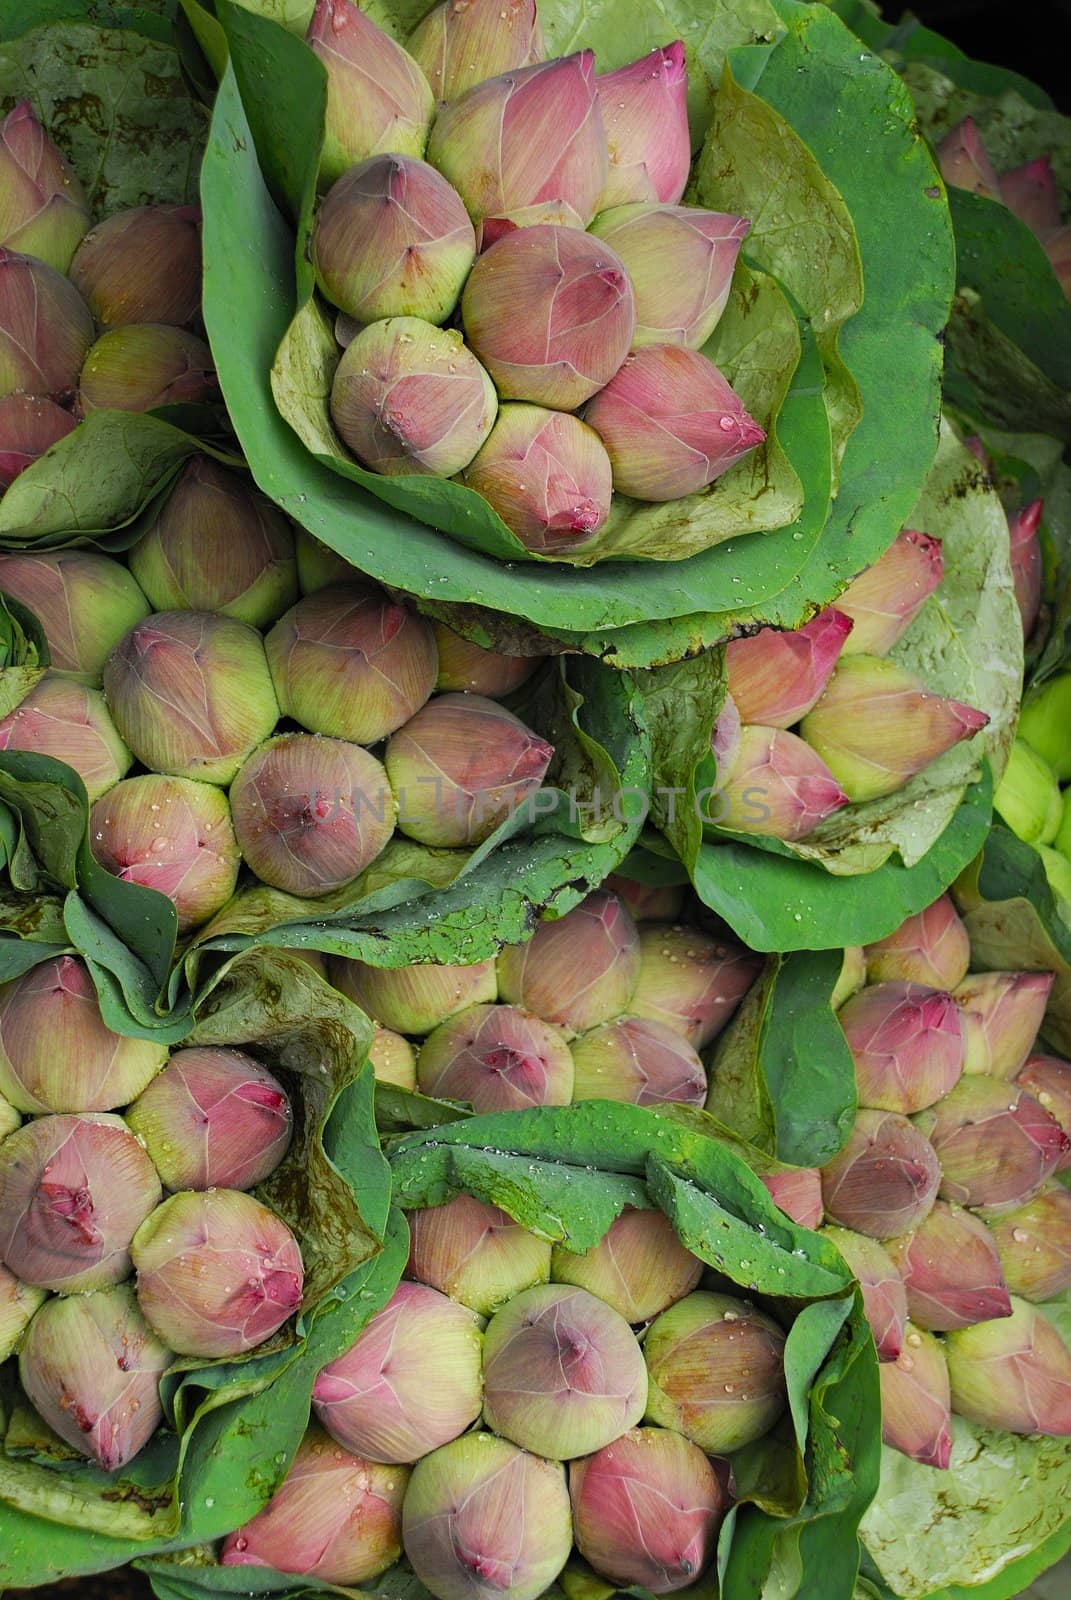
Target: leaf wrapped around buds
<point x="18" y="1303"/>
<point x="83" y="601"/>
<point x="885" y="599"/>
<point x="1013" y="1374"/>
<point x="577" y="971"/>
<point x="716" y="1371"/>
<point x="1027" y="564"/>
<point x="1028" y="797"/>
<point x="639" y="1266"/>
<point x="1049" y="1081"/>
<point x="776" y="675"/>
<point x="145" y="365"/>
<point x="885" y="1180"/>
<point x="43" y="208"/>
<point x="70" y="723"/>
<point x="29" y="425"/>
<point x="475" y="1253"/>
<point x="645" y="113"/>
<point x="1034" y="1244"/>
<point x="916" y="1416"/>
<point x="680" y="261"/>
<point x="908" y="1044"/>
<point x="638" y="1061"/>
<point x="461" y="42"/>
<point x="648" y="902"/>
<point x="45" y="329"/>
<point x="797" y="1191"/>
<point x="142" y="265"/>
<point x="965" y="163"/>
<point x="852" y="976"/>
<point x="690" y="982"/>
<point x="547" y="475"/>
<point x="951" y="1270"/>
<point x="884" y="1295"/>
<point x="778" y="787"/>
<point x="413" y="999"/>
<point x="1002" y="1012"/>
<point x="931" y="947"/>
<point x="393" y="1059"/>
<point x="995" y="1142"/>
<point x="496" y="1058"/>
<point x="465" y="667"/>
<point x="1030" y="192"/>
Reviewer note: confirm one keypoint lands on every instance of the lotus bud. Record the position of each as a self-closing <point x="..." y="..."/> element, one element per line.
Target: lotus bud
<point x="1049" y="1080"/>
<point x="482" y="1518"/>
<point x="995" y="1142"/>
<point x="877" y="725"/>
<point x="548" y="477"/>
<point x="916" y="1416"/>
<point x="1030" y="192"/>
<point x="317" y="564"/>
<point x="671" y="423"/>
<point x="645" y="113"/>
<point x="951" y="1271"/>
<point x="716" y="1370"/>
<point x="930" y="947"/>
<point x="456" y="795"/>
<point x="553" y="213"/>
<point x="886" y="598"/>
<point x="462" y="42"/>
<point x="1028" y="797"/>
<point x="526" y="137"/>
<point x="1026" y="562"/>
<point x="1034" y="1244"/>
<point x="978" y="450"/>
<point x="885" y="1179"/>
<point x="43" y="208"/>
<point x="409" y="1383"/>
<point x="725" y="738"/>
<point x="142" y="265"/>
<point x="218" y="1273"/>
<point x="578" y="971"/>
<point x="70" y="723"/>
<point x="639" y="1267"/>
<point x="411" y="398"/>
<point x="648" y="902"/>
<point x="45" y="329"/>
<point x="852" y="976"/>
<point x="563" y="1374"/>
<point x="797" y="1191"/>
<point x="1002" y="1012"/>
<point x="1057" y="246"/>
<point x="908" y="1044"/>
<point x="884" y="1295"/>
<point x="142" y="366"/>
<point x="18" y="1302"/>
<point x="778" y="787"/>
<point x="776" y="676"/>
<point x="475" y="1253"/>
<point x="638" y="1061"/>
<point x="73" y="1192"/>
<point x="191" y="694"/>
<point x="57" y="1054"/>
<point x="1043" y="723"/>
<point x="469" y="668"/>
<point x="496" y="1058"/>
<point x="1013" y="1374"/>
<point x="84" y="603"/>
<point x="965" y="163"/>
<point x="393" y="1059"/>
<point x="413" y="999"/>
<point x="1057" y="871"/>
<point x="92" y="1366"/>
<point x="334" y="1517"/>
<point x="29" y="425"/>
<point x="9" y="1118"/>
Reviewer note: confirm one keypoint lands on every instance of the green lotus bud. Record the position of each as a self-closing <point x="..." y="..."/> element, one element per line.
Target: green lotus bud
<point x="547" y="475"/>
<point x="1013" y="1374"/>
<point x="648" y="902"/>
<point x="776" y="675"/>
<point x="885" y="1179"/>
<point x="965" y="162"/>
<point x="84" y="603"/>
<point x="916" y="1416"/>
<point x="467" y="667"/>
<point x="778" y="787"/>
<point x="475" y="1253"/>
<point x="409" y="1383"/>
<point x="393" y="1059"/>
<point x="334" y="1517"/>
<point x="347" y="662"/>
<point x="191" y="693"/>
<point x="462" y="42"/>
<point x="413" y="999"/>
<point x="798" y="1193"/>
<point x="717" y="1371"/>
<point x="877" y="724"/>
<point x="92" y="1366"/>
<point x="461" y="767"/>
<point x="18" y="1303"/>
<point x="646" y="1510"/>
<point x="142" y="265"/>
<point x="43" y="208"/>
<point x="73" y="1192"/>
<point x="690" y="982"/>
<point x="884" y="1295"/>
<point x="318" y="565"/>
<point x="852" y="976"/>
<point x="563" y="1374"/>
<point x="45" y="329"/>
<point x="951" y="1271"/>
<point x="908" y="1044"/>
<point x="886" y="598"/>
<point x="645" y="113"/>
<point x="29" y="425"/>
<point x="995" y="1142"/>
<point x="1043" y="723"/>
<point x="577" y="971"/>
<point x="70" y="723"/>
<point x="931" y="947"/>
<point x="496" y="1058"/>
<point x="1028" y="797"/>
<point x="680" y="261"/>
<point x="218" y="1273"/>
<point x="1057" y="872"/>
<point x="1002" y="1012"/>
<point x="56" y="1052"/>
<point x="638" y="1061"/>
<point x="142" y="366"/>
<point x="1034" y="1244"/>
<point x="482" y="1518"/>
<point x="639" y="1267"/>
<point x="1049" y="1081"/>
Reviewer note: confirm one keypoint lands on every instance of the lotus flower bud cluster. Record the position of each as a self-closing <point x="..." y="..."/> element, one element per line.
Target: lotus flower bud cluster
<point x="43" y="209"/>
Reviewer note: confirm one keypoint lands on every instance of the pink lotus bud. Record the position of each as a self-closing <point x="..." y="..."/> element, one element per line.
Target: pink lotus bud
<point x="776" y="676"/>
<point x="716" y="1371"/>
<point x="1013" y="1374"/>
<point x="638" y="1061"/>
<point x="563" y="1374"/>
<point x="142" y="265"/>
<point x="886" y="598"/>
<point x="172" y="835"/>
<point x="467" y="667"/>
<point x="578" y="320"/>
<point x="70" y="723"/>
<point x="680" y="261"/>
<point x="43" y="208"/>
<point x="347" y="662"/>
<point x="877" y="725"/>
<point x="378" y="100"/>
<point x="1049" y="1081"/>
<point x="884" y="1295"/>
<point x="1030" y="192"/>
<point x="91" y="1365"/>
<point x="1057" y="246"/>
<point x="18" y="1303"/>
<point x="73" y="1192"/>
<point x="648" y="902"/>
<point x="57" y="1054"/>
<point x="213" y="1119"/>
<point x="45" y="329"/>
<point x="84" y="602"/>
<point x="496" y="1058"/>
<point x="646" y="1510"/>
<point x="778" y="786"/>
<point x="475" y="1253"/>
<point x="645" y="113"/>
<point x="725" y="738"/>
<point x="1002" y="1012"/>
<point x="995" y="1143"/>
<point x="916" y="1416"/>
<point x="393" y="1059"/>
<point x="552" y="213"/>
<point x="462" y="42"/>
<point x="409" y="1383"/>
<point x="797" y="1191"/>
<point x="317" y="564"/>
<point x="191" y="693"/>
<point x="930" y="947"/>
<point x="526" y="137"/>
<point x="965" y="163"/>
<point x="671" y="423"/>
<point x="456" y="795"/>
<point x="144" y="365"/>
<point x="852" y="976"/>
<point x="411" y="398"/>
<point x="578" y="971"/>
<point x="639" y="1266"/>
<point x="333" y="1517"/>
<point x="1034" y="1244"/>
<point x="218" y="1273"/>
<point x="885" y="1180"/>
<point x="413" y="999"/>
<point x="29" y="425"/>
<point x="483" y="1518"/>
<point x="547" y="475"/>
<point x="951" y="1271"/>
<point x="217" y="545"/>
<point x="1026" y="562"/>
<point x="907" y="1042"/>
